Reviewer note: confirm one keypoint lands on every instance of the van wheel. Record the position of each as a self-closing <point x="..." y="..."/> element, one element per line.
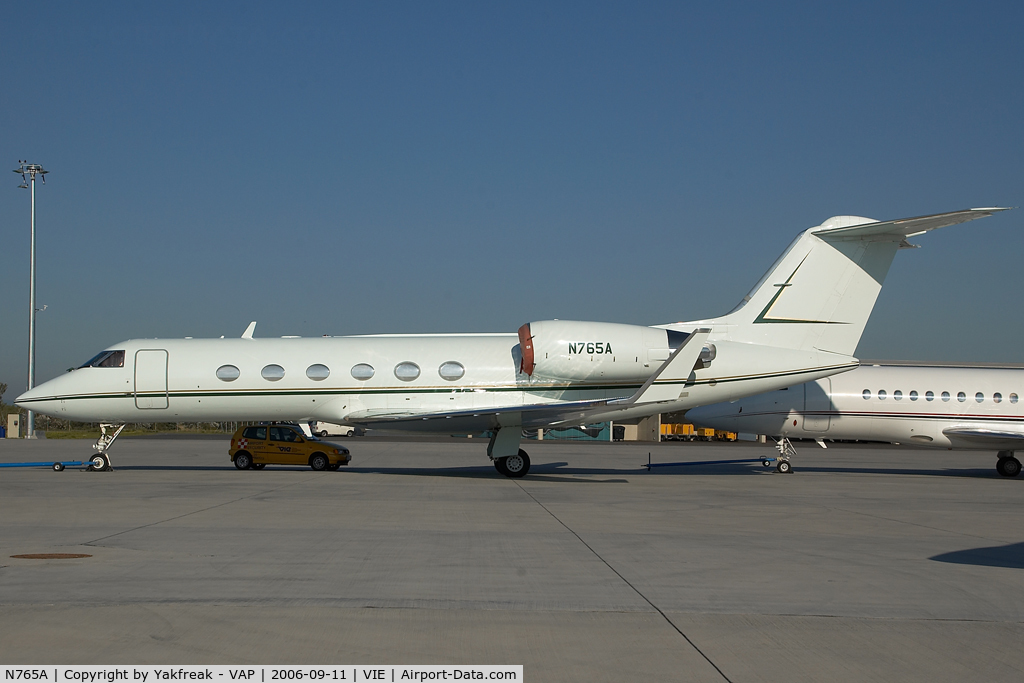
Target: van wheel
<point x="319" y="462"/>
<point x="243" y="460"/>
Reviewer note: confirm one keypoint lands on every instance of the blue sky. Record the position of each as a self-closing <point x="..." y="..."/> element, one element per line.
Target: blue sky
<point x="343" y="168"/>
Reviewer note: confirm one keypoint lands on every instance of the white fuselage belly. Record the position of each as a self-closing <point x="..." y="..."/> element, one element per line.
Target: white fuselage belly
<point x="848" y="415"/>
<point x="491" y="381"/>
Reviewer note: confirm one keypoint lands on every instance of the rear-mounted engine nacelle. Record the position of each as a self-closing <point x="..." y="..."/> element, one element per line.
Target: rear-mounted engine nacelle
<point x="571" y="350"/>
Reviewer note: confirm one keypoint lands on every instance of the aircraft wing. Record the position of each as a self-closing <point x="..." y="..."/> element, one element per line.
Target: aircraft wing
<point x="907" y="227"/>
<point x="673" y="374"/>
<point x="1003" y="438"/>
<point x="484" y="419"/>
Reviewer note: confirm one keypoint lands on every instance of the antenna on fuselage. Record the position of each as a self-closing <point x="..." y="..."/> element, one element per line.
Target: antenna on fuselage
<point x="249" y="330"/>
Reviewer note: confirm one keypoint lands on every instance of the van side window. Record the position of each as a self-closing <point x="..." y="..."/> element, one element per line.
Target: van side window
<point x="255" y="433"/>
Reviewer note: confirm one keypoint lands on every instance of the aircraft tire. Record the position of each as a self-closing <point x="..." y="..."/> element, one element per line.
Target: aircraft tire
<point x="319" y="462"/>
<point x="243" y="460"/>
<point x="499" y="464"/>
<point x="783" y="467"/>
<point x="98" y="463"/>
<point x="516" y="466"/>
<point x="1008" y="467"/>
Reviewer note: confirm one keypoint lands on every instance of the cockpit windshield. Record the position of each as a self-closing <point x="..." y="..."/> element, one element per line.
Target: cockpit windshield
<point x="105" y="359"/>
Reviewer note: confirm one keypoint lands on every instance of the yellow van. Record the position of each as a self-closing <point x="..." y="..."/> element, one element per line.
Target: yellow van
<point x="283" y="444"/>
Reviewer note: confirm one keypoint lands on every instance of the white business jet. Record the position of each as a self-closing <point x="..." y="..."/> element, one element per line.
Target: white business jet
<point x="927" y="405"/>
<point x="801" y="321"/>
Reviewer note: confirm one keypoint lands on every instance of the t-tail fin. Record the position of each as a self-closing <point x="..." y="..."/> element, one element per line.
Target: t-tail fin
<point x="819" y="294"/>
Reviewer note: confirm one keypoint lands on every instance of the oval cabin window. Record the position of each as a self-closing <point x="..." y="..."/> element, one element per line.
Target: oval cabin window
<point x="1013" y="398"/>
<point x="228" y="373"/>
<point x="407" y="371"/>
<point x="997" y="397"/>
<point x="866" y="394"/>
<point x="451" y="371"/>
<point x="913" y="395"/>
<point x="897" y="395"/>
<point x="961" y="396"/>
<point x="318" y="372"/>
<point x="362" y="371"/>
<point x="272" y="373"/>
<point x="945" y="395"/>
<point x="929" y="396"/>
<point x="881" y="394"/>
<point x="979" y="397"/>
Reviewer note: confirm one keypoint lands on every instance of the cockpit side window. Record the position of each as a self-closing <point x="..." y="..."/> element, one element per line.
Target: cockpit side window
<point x="106" y="359"/>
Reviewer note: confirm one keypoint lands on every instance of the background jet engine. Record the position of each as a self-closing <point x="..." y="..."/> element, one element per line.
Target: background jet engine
<point x="571" y="350"/>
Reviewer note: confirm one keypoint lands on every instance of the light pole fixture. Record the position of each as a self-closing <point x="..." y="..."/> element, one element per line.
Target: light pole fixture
<point x="28" y="174"/>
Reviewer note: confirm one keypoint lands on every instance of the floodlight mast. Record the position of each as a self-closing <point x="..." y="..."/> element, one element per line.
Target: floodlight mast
<point x="28" y="174"/>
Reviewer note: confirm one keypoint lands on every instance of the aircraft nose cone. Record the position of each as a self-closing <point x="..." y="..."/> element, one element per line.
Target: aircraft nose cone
<point x="27" y="396"/>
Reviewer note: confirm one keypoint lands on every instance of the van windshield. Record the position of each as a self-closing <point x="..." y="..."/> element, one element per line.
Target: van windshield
<point x="105" y="359"/>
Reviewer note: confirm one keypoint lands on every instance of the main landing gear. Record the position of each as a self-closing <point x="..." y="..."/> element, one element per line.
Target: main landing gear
<point x="504" y="451"/>
<point x="101" y="461"/>
<point x="786" y="451"/>
<point x="1007" y="465"/>
<point x="514" y="466"/>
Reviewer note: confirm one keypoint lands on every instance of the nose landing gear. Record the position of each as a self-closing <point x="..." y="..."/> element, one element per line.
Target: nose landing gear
<point x="101" y="461"/>
<point x="786" y="451"/>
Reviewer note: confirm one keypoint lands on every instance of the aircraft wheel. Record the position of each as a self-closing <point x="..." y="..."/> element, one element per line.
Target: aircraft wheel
<point x="783" y="467"/>
<point x="516" y="466"/>
<point x="58" y="467"/>
<point x="259" y="466"/>
<point x="319" y="462"/>
<point x="243" y="460"/>
<point x="1008" y="467"/>
<point x="499" y="464"/>
<point x="98" y="463"/>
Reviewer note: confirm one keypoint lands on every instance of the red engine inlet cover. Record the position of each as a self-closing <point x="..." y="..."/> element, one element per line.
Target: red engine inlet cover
<point x="526" y="346"/>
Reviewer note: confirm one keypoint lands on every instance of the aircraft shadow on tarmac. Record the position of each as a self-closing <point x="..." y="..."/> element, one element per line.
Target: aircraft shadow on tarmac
<point x="537" y="472"/>
<point x="1010" y="556"/>
<point x="560" y="469"/>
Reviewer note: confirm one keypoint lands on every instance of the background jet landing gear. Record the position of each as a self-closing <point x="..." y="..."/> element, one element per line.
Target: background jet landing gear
<point x="101" y="461"/>
<point x="514" y="466"/>
<point x="1007" y="465"/>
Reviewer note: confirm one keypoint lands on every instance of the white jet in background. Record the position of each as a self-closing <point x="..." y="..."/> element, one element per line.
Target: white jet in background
<point x="924" y="404"/>
<point x="801" y="321"/>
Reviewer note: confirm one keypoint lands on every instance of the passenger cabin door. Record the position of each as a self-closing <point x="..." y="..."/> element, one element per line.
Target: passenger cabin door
<point x="151" y="378"/>
<point x="817" y="405"/>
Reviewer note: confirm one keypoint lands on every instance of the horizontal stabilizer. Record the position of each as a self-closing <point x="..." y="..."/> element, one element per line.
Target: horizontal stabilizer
<point x="903" y="227"/>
